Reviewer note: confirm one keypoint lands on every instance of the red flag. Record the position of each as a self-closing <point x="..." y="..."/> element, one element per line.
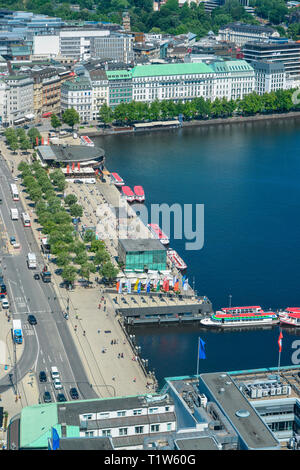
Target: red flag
<point x="118" y="285"/>
<point x="280" y="341"/>
<point x="176" y="286"/>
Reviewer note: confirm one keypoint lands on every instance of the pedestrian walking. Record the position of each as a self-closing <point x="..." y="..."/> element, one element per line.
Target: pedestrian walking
<point x="99" y="331"/>
<point x="75" y="328"/>
<point x="113" y="378"/>
<point x="134" y="379"/>
<point x="99" y="306"/>
<point x="83" y="332"/>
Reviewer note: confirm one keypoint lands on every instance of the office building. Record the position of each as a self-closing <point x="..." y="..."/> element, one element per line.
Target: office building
<point x="286" y="52"/>
<point x="77" y="94"/>
<point x="142" y="254"/>
<point x="240" y="33"/>
<point x="269" y="76"/>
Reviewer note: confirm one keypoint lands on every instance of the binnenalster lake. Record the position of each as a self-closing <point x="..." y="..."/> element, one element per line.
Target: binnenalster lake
<point x="248" y="178"/>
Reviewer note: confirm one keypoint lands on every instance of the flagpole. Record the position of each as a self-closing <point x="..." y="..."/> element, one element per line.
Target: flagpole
<point x="198" y="357"/>
<point x="279" y="354"/>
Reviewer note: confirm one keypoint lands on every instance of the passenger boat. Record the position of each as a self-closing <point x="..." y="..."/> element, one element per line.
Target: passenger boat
<point x="139" y="193"/>
<point x="128" y="194"/>
<point x="290" y="316"/>
<point x="175" y="259"/>
<point x="85" y="140"/>
<point x="158" y="233"/>
<point x="240" y="316"/>
<point x="116" y="179"/>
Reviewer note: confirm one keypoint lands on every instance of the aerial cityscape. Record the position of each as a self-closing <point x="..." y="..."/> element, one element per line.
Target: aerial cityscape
<point x="149" y="229"/>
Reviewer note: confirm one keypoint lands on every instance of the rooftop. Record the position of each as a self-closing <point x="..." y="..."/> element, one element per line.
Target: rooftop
<point x="70" y="153"/>
<point x="141" y="244"/>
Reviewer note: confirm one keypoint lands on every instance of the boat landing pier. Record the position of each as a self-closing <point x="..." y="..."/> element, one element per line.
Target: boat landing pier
<point x="160" y="308"/>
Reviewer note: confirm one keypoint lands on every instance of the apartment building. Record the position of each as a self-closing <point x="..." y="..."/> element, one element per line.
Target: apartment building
<point x="19" y="99"/>
<point x="240" y="33"/>
<point x="77" y="94"/>
<point x="119" y="87"/>
<point x="100" y="90"/>
<point x="286" y="52"/>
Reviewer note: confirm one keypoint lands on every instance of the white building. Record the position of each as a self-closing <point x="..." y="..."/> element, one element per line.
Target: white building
<point x="100" y="90"/>
<point x="77" y="95"/>
<point x="240" y="33"/>
<point x="17" y="99"/>
<point x="269" y="76"/>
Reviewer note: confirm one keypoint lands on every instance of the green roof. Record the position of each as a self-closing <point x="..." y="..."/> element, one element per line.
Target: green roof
<point x="170" y="69"/>
<point x="231" y="66"/>
<point x="35" y="425"/>
<point x="118" y="74"/>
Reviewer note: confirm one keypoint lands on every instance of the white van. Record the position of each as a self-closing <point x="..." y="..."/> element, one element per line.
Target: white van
<point x="54" y="373"/>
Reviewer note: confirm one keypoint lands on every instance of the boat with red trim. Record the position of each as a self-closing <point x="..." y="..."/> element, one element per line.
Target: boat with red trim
<point x="290" y="316"/>
<point x="241" y="316"/>
<point x="116" y="179"/>
<point x="139" y="193"/>
<point x="128" y="193"/>
<point x="158" y="233"/>
<point x="175" y="259"/>
<point x="85" y="140"/>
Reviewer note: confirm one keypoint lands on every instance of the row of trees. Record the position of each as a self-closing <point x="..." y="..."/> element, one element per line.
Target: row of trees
<point x="70" y="117"/>
<point x="55" y="216"/>
<point x="199" y="108"/>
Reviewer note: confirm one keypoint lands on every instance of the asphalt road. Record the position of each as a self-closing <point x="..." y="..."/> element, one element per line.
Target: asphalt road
<point x="49" y="343"/>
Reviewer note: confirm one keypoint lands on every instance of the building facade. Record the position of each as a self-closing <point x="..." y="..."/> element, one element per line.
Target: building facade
<point x="240" y="33"/>
<point x="119" y="87"/>
<point x="269" y="76"/>
<point x="77" y="94"/>
<point x="19" y="99"/>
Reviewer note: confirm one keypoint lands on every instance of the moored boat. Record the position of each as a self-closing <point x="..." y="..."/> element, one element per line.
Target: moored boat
<point x="290" y="316"/>
<point x="128" y="194"/>
<point x="176" y="260"/>
<point x="240" y="316"/>
<point x="85" y="140"/>
<point x="139" y="193"/>
<point x="158" y="233"/>
<point x="116" y="179"/>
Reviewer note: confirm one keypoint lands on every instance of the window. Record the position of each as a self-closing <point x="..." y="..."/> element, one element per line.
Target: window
<point x="154" y="428"/>
<point x="103" y="415"/>
<point x="89" y="433"/>
<point x="121" y="413"/>
<point x="169" y="426"/>
<point x="87" y="416"/>
<point x="123" y="431"/>
<point x="139" y="429"/>
<point x="153" y="410"/>
<point x="137" y="412"/>
<point x="106" y="432"/>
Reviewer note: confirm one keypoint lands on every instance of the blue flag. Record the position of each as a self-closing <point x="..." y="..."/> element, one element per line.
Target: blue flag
<point x="201" y="349"/>
<point x="55" y="439"/>
<point x="148" y="286"/>
<point x="139" y="287"/>
<point x="183" y="280"/>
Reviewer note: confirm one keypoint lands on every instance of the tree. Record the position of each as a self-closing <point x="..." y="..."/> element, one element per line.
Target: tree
<point x="14" y="145"/>
<point x="101" y="256"/>
<point x="70" y="199"/>
<point x="106" y="114"/>
<point x="97" y="245"/>
<point x="55" y="122"/>
<point x="33" y="133"/>
<point x="70" y="117"/>
<point x="69" y="274"/>
<point x="76" y="210"/>
<point x="109" y="271"/>
<point x="22" y="166"/>
<point x="63" y="258"/>
<point x="81" y="258"/>
<point x="89" y="236"/>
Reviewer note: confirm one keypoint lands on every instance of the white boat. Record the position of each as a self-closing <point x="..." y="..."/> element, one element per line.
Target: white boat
<point x="240" y="316"/>
<point x="176" y="260"/>
<point x="290" y="316"/>
<point x="85" y="140"/>
<point x="116" y="179"/>
<point x="158" y="233"/>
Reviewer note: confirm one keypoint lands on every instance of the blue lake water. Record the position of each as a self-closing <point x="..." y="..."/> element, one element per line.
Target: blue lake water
<point x="248" y="178"/>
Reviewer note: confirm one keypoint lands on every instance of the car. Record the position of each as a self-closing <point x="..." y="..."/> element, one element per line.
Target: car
<point x="5" y="303"/>
<point x="61" y="397"/>
<point x="12" y="240"/>
<point x="32" y="320"/>
<point x="74" y="394"/>
<point x="3" y="289"/>
<point x="25" y="127"/>
<point x="36" y="276"/>
<point x="16" y="178"/>
<point x="57" y="384"/>
<point x="47" y="397"/>
<point x="42" y="376"/>
<point x="78" y="181"/>
<point x="59" y="271"/>
<point x="39" y="124"/>
<point x="2" y="296"/>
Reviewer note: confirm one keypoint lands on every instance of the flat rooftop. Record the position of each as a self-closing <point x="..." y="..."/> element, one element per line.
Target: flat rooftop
<point x="70" y="153"/>
<point x="196" y="443"/>
<point x="253" y="431"/>
<point x="141" y="244"/>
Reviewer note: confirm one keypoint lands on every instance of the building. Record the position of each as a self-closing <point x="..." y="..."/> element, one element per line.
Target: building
<point x="185" y="81"/>
<point x="116" y="46"/>
<point x="119" y="87"/>
<point x="77" y="94"/>
<point x="72" y="155"/>
<point x="19" y="99"/>
<point x="126" y="21"/>
<point x="125" y="422"/>
<point x="287" y="52"/>
<point x="237" y="410"/>
<point x="269" y="76"/>
<point x="240" y="33"/>
<point x="142" y="254"/>
<point x="46" y="91"/>
<point x="100" y="96"/>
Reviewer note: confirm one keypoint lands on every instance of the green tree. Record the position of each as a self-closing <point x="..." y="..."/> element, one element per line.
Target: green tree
<point x="55" y="122"/>
<point x="76" y="210"/>
<point x="69" y="274"/>
<point x="106" y="114"/>
<point x="109" y="271"/>
<point x="70" y="199"/>
<point x="70" y="117"/>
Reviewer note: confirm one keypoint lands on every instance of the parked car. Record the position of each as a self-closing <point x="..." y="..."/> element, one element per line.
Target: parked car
<point x="5" y="303"/>
<point x="47" y="397"/>
<point x="36" y="276"/>
<point x="32" y="320"/>
<point x="42" y="376"/>
<point x="3" y="289"/>
<point x="61" y="397"/>
<point x="25" y="127"/>
<point x="78" y="181"/>
<point x="57" y="384"/>
<point x="74" y="394"/>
